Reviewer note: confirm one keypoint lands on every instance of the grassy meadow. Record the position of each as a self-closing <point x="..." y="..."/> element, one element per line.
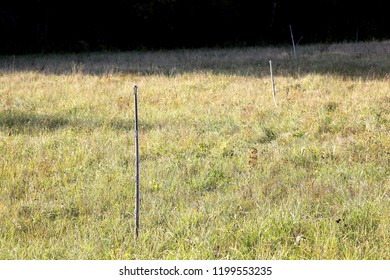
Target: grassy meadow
<point x="225" y="174"/>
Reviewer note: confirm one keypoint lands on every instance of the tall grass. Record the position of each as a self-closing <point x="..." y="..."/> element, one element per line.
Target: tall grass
<point x="224" y="174"/>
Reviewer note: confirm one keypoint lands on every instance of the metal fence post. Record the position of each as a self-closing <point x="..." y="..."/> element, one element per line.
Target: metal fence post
<point x="293" y="42"/>
<point x="272" y="81"/>
<point x="137" y="195"/>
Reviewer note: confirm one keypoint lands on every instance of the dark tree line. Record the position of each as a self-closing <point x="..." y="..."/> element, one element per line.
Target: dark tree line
<point x="55" y="26"/>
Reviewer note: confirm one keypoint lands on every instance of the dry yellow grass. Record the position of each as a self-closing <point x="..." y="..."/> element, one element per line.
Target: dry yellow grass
<point x="320" y="167"/>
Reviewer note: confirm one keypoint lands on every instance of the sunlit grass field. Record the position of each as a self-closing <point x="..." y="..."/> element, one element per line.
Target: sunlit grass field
<point x="225" y="174"/>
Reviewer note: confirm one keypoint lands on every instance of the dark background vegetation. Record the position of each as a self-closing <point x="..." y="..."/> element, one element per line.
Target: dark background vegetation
<point x="74" y="26"/>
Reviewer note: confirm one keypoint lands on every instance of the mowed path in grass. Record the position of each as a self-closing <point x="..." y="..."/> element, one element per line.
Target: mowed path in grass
<point x="225" y="174"/>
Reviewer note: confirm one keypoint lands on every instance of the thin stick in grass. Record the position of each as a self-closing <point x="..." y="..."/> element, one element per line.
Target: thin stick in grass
<point x="273" y="83"/>
<point x="137" y="195"/>
<point x="293" y="43"/>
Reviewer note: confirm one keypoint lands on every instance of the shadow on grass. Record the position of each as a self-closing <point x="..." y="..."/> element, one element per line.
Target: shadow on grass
<point x="19" y="122"/>
<point x="369" y="60"/>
